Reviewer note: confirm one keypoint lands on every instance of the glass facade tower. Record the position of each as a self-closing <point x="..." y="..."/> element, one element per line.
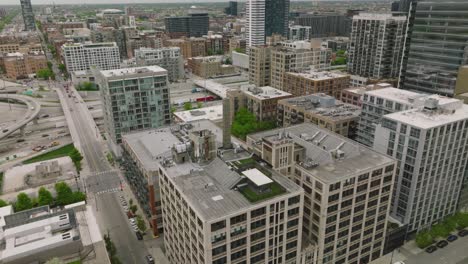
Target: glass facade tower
<point x="437" y="48"/>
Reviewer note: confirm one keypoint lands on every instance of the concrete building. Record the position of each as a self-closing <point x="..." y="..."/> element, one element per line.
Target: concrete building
<point x="358" y="81"/>
<point x="28" y="15"/>
<point x="210" y="66"/>
<point x="255" y="23"/>
<point x="80" y="57"/>
<point x="38" y="234"/>
<point x="168" y="58"/>
<point x="376" y="104"/>
<point x="190" y="47"/>
<point x="298" y="32"/>
<point x="461" y="89"/>
<point x="296" y="56"/>
<point x="231" y="9"/>
<point x="322" y="110"/>
<point x="232" y="212"/>
<point x="18" y="65"/>
<point x="429" y="143"/>
<point x="376" y="48"/>
<point x="261" y="101"/>
<point x="195" y="24"/>
<point x="325" y="25"/>
<point x="240" y="60"/>
<point x="276" y="17"/>
<point x="259" y="65"/>
<point x="133" y="99"/>
<point x="432" y="61"/>
<point x="347" y="190"/>
<point x="354" y="95"/>
<point x="312" y="82"/>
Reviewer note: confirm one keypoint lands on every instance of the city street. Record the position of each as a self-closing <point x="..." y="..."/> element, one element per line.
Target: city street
<point x="454" y="253"/>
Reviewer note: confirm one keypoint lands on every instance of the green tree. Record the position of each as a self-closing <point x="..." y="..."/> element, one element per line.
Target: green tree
<point x="209" y="52"/>
<point x="3" y="203"/>
<point x="130" y="202"/>
<point x="199" y="104"/>
<point x="219" y="52"/>
<point x="45" y="74"/>
<point x="245" y="123"/>
<point x="440" y="230"/>
<point x="78" y="197"/>
<point x="86" y="86"/>
<point x="462" y="220"/>
<point x="49" y="65"/>
<point x="54" y="261"/>
<point x="228" y="60"/>
<point x="44" y="197"/>
<point x="423" y="239"/>
<point x="62" y="67"/>
<point x="340" y="53"/>
<point x="187" y="106"/>
<point x="64" y="194"/>
<point x="240" y="50"/>
<point x="76" y="157"/>
<point x="141" y="224"/>
<point x="23" y="202"/>
<point x="133" y="208"/>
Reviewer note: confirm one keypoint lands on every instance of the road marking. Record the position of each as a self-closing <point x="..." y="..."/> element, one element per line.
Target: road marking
<point x="113" y="190"/>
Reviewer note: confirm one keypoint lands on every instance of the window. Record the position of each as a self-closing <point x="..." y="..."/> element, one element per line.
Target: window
<point x="258" y="212"/>
<point x="218" y="225"/>
<point x="238" y="219"/>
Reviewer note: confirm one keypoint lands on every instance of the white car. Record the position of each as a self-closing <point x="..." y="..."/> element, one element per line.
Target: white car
<point x="132" y="220"/>
<point x="135" y="228"/>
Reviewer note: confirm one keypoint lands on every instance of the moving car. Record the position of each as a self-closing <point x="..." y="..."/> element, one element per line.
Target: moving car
<point x="431" y="249"/>
<point x="442" y="244"/>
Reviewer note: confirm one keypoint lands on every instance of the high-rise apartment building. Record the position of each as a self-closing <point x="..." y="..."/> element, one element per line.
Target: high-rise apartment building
<point x="311" y="82"/>
<point x="437" y="46"/>
<point x="296" y="59"/>
<point x="319" y="109"/>
<point x="376" y="47"/>
<point x="81" y="57"/>
<point x="255" y="26"/>
<point x="297" y="32"/>
<point x="429" y="143"/>
<point x="259" y="66"/>
<point x="195" y="24"/>
<point x="28" y="15"/>
<point x="347" y="190"/>
<point x="168" y="58"/>
<point x="325" y="25"/>
<point x="133" y="99"/>
<point x="376" y="104"/>
<point x="231" y="9"/>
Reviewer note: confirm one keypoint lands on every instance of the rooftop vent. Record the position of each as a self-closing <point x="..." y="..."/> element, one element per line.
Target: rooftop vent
<point x="431" y="104"/>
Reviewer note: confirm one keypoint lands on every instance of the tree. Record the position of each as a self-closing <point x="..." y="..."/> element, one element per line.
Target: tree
<point x="133" y="208"/>
<point x="44" y="197"/>
<point x="86" y="86"/>
<point x="54" y="261"/>
<point x="23" y="202"/>
<point x="76" y="157"/>
<point x="423" y="239"/>
<point x="64" y="194"/>
<point x="209" y="52"/>
<point x="462" y="220"/>
<point x="219" y="52"/>
<point x="62" y="67"/>
<point x="187" y="106"/>
<point x="228" y="60"/>
<point x="49" y="65"/>
<point x="440" y="230"/>
<point x="130" y="202"/>
<point x="141" y="223"/>
<point x="245" y="123"/>
<point x="3" y="203"/>
<point x="199" y="104"/>
<point x="45" y="74"/>
<point x="78" y="197"/>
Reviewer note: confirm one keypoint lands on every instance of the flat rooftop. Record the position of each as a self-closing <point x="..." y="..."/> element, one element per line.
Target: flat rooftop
<point x="449" y="110"/>
<point x="321" y="147"/>
<point x="265" y="92"/>
<point x="397" y="95"/>
<point x="319" y="75"/>
<point x="213" y="87"/>
<point x="377" y="16"/>
<point x="126" y="72"/>
<point x="363" y="89"/>
<point x="213" y="113"/>
<point x="323" y="105"/>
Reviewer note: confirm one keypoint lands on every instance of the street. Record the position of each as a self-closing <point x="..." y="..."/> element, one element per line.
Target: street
<point x="455" y="253"/>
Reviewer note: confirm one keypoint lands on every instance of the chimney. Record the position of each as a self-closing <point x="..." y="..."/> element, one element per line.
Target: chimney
<point x="227" y="124"/>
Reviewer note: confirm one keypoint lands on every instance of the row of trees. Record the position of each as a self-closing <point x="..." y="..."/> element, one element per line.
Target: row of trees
<point x="141" y="224"/>
<point x="86" y="86"/>
<point x="111" y="250"/>
<point x="442" y="230"/>
<point x="245" y="123"/>
<point x="64" y="196"/>
<point x="76" y="158"/>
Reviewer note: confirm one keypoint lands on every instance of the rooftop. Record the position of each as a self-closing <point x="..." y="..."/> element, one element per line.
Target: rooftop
<point x="319" y="75"/>
<point x="212" y="86"/>
<point x="397" y="95"/>
<point x="363" y="89"/>
<point x="213" y="113"/>
<point x="441" y="111"/>
<point x="262" y="93"/>
<point x="323" y="105"/>
<point x="329" y="156"/>
<point x="379" y="16"/>
<point x="126" y="72"/>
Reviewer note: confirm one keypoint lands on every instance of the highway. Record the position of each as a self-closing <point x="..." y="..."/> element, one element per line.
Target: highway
<point x="33" y="110"/>
<point x="99" y="178"/>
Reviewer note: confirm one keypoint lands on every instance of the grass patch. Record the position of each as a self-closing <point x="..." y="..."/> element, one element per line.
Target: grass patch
<point x="75" y="262"/>
<point x="1" y="181"/>
<point x="58" y="153"/>
<point x="253" y="197"/>
<point x="246" y="161"/>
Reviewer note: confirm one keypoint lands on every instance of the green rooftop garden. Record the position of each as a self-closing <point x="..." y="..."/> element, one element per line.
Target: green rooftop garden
<point x="57" y="153"/>
<point x="253" y="196"/>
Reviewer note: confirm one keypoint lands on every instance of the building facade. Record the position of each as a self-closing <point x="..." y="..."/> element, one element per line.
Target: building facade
<point x="354" y="95"/>
<point x="377" y="44"/>
<point x="346" y="202"/>
<point x="255" y="23"/>
<point x="259" y="66"/>
<point x="433" y="59"/>
<point x="133" y="99"/>
<point x="429" y="143"/>
<point x="319" y="109"/>
<point x="325" y="25"/>
<point x="195" y="24"/>
<point x="168" y="58"/>
<point x="298" y="32"/>
<point x="276" y="17"/>
<point x="18" y="65"/>
<point x="207" y="67"/>
<point x="80" y="57"/>
<point x="312" y="82"/>
<point x="28" y="15"/>
<point x="231" y="9"/>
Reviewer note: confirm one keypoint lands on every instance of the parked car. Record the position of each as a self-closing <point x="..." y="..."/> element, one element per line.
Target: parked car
<point x="45" y="135"/>
<point x="5" y="130"/>
<point x="45" y="116"/>
<point x="452" y="238"/>
<point x="135" y="228"/>
<point x="20" y="140"/>
<point x="431" y="249"/>
<point x="463" y="233"/>
<point x="442" y="244"/>
<point x="132" y="220"/>
<point x="149" y="259"/>
<point x="138" y="235"/>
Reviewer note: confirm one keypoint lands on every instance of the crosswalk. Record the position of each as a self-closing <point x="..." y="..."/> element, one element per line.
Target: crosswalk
<point x="113" y="190"/>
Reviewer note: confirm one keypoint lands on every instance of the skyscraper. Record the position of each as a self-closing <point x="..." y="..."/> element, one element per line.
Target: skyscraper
<point x="196" y="24"/>
<point x="376" y="46"/>
<point x="437" y="48"/>
<point x="231" y="9"/>
<point x="28" y="15"/>
<point x="265" y="18"/>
